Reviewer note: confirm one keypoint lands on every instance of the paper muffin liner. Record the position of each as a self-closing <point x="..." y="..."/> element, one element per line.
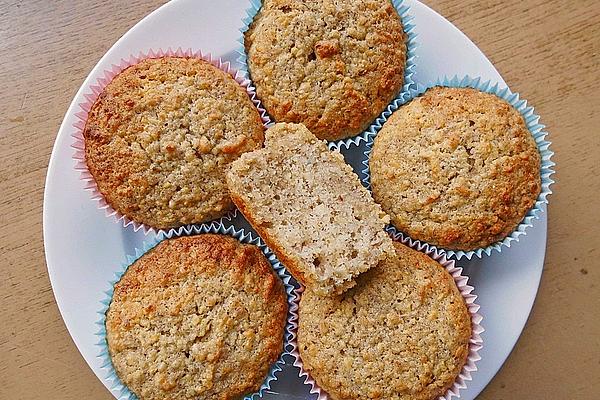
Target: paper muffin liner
<point x="533" y="125"/>
<point x="475" y="342"/>
<point x="409" y="69"/>
<point x="107" y="370"/>
<point x="92" y="93"/>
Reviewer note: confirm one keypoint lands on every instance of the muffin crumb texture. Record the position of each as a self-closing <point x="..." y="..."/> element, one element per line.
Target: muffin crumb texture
<point x="456" y="168"/>
<point x="198" y="317"/>
<point x="331" y="65"/>
<point x="159" y="136"/>
<point x="402" y="333"/>
<point x="310" y="208"/>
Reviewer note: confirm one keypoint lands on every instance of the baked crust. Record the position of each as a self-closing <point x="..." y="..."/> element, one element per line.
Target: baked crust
<point x="456" y="168"/>
<point x="333" y="66"/>
<point x="159" y="136"/>
<point x="401" y="333"/>
<point x="199" y="317"/>
<point x="292" y="264"/>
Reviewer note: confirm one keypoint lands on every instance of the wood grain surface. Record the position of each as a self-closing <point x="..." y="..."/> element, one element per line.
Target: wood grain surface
<point x="549" y="51"/>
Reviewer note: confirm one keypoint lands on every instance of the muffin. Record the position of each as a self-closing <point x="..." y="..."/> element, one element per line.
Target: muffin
<point x="310" y="208"/>
<point x="456" y="167"/>
<point x="198" y="317"/>
<point x="402" y="333"/>
<point x="159" y="136"/>
<point x="331" y="65"/>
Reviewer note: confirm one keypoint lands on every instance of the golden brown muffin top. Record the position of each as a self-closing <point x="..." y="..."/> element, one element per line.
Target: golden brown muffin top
<point x="402" y="333"/>
<point x="159" y="136"/>
<point x="331" y="65"/>
<point x="456" y="167"/>
<point x="199" y="317"/>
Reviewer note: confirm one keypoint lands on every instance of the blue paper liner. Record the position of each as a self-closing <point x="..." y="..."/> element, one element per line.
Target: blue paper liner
<point x="411" y="45"/>
<point x="245" y="237"/>
<point x="533" y="125"/>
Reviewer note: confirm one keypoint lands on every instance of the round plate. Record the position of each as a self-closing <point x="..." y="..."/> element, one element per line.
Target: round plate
<point x="84" y="248"/>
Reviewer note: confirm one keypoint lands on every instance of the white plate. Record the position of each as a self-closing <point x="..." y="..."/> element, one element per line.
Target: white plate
<point x="84" y="248"/>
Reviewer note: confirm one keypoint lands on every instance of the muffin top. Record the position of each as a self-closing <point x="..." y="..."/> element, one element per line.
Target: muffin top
<point x="198" y="317"/>
<point x="332" y="65"/>
<point x="402" y="333"/>
<point x="456" y="167"/>
<point x="158" y="138"/>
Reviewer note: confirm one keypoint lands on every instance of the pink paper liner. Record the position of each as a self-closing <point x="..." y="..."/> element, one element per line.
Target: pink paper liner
<point x="92" y="94"/>
<point x="475" y="343"/>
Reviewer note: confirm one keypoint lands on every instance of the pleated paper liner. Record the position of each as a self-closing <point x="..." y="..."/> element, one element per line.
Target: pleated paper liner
<point x="92" y="94"/>
<point x="533" y="125"/>
<point x="108" y="371"/>
<point x="475" y="342"/>
<point x="409" y="69"/>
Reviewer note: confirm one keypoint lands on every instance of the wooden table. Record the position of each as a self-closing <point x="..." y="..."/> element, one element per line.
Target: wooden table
<point x="549" y="51"/>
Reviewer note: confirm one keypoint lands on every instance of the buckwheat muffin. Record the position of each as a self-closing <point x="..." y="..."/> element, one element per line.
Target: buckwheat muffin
<point x="310" y="208"/>
<point x="331" y="65"/>
<point x="198" y="317"/>
<point x="159" y="136"/>
<point x="402" y="333"/>
<point x="456" y="167"/>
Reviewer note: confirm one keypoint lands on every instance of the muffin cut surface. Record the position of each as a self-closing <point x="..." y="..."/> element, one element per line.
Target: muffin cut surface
<point x="310" y="208"/>
<point x="159" y="136"/>
<point x="401" y="333"/>
<point x="331" y="65"/>
<point x="198" y="317"/>
<point x="456" y="167"/>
